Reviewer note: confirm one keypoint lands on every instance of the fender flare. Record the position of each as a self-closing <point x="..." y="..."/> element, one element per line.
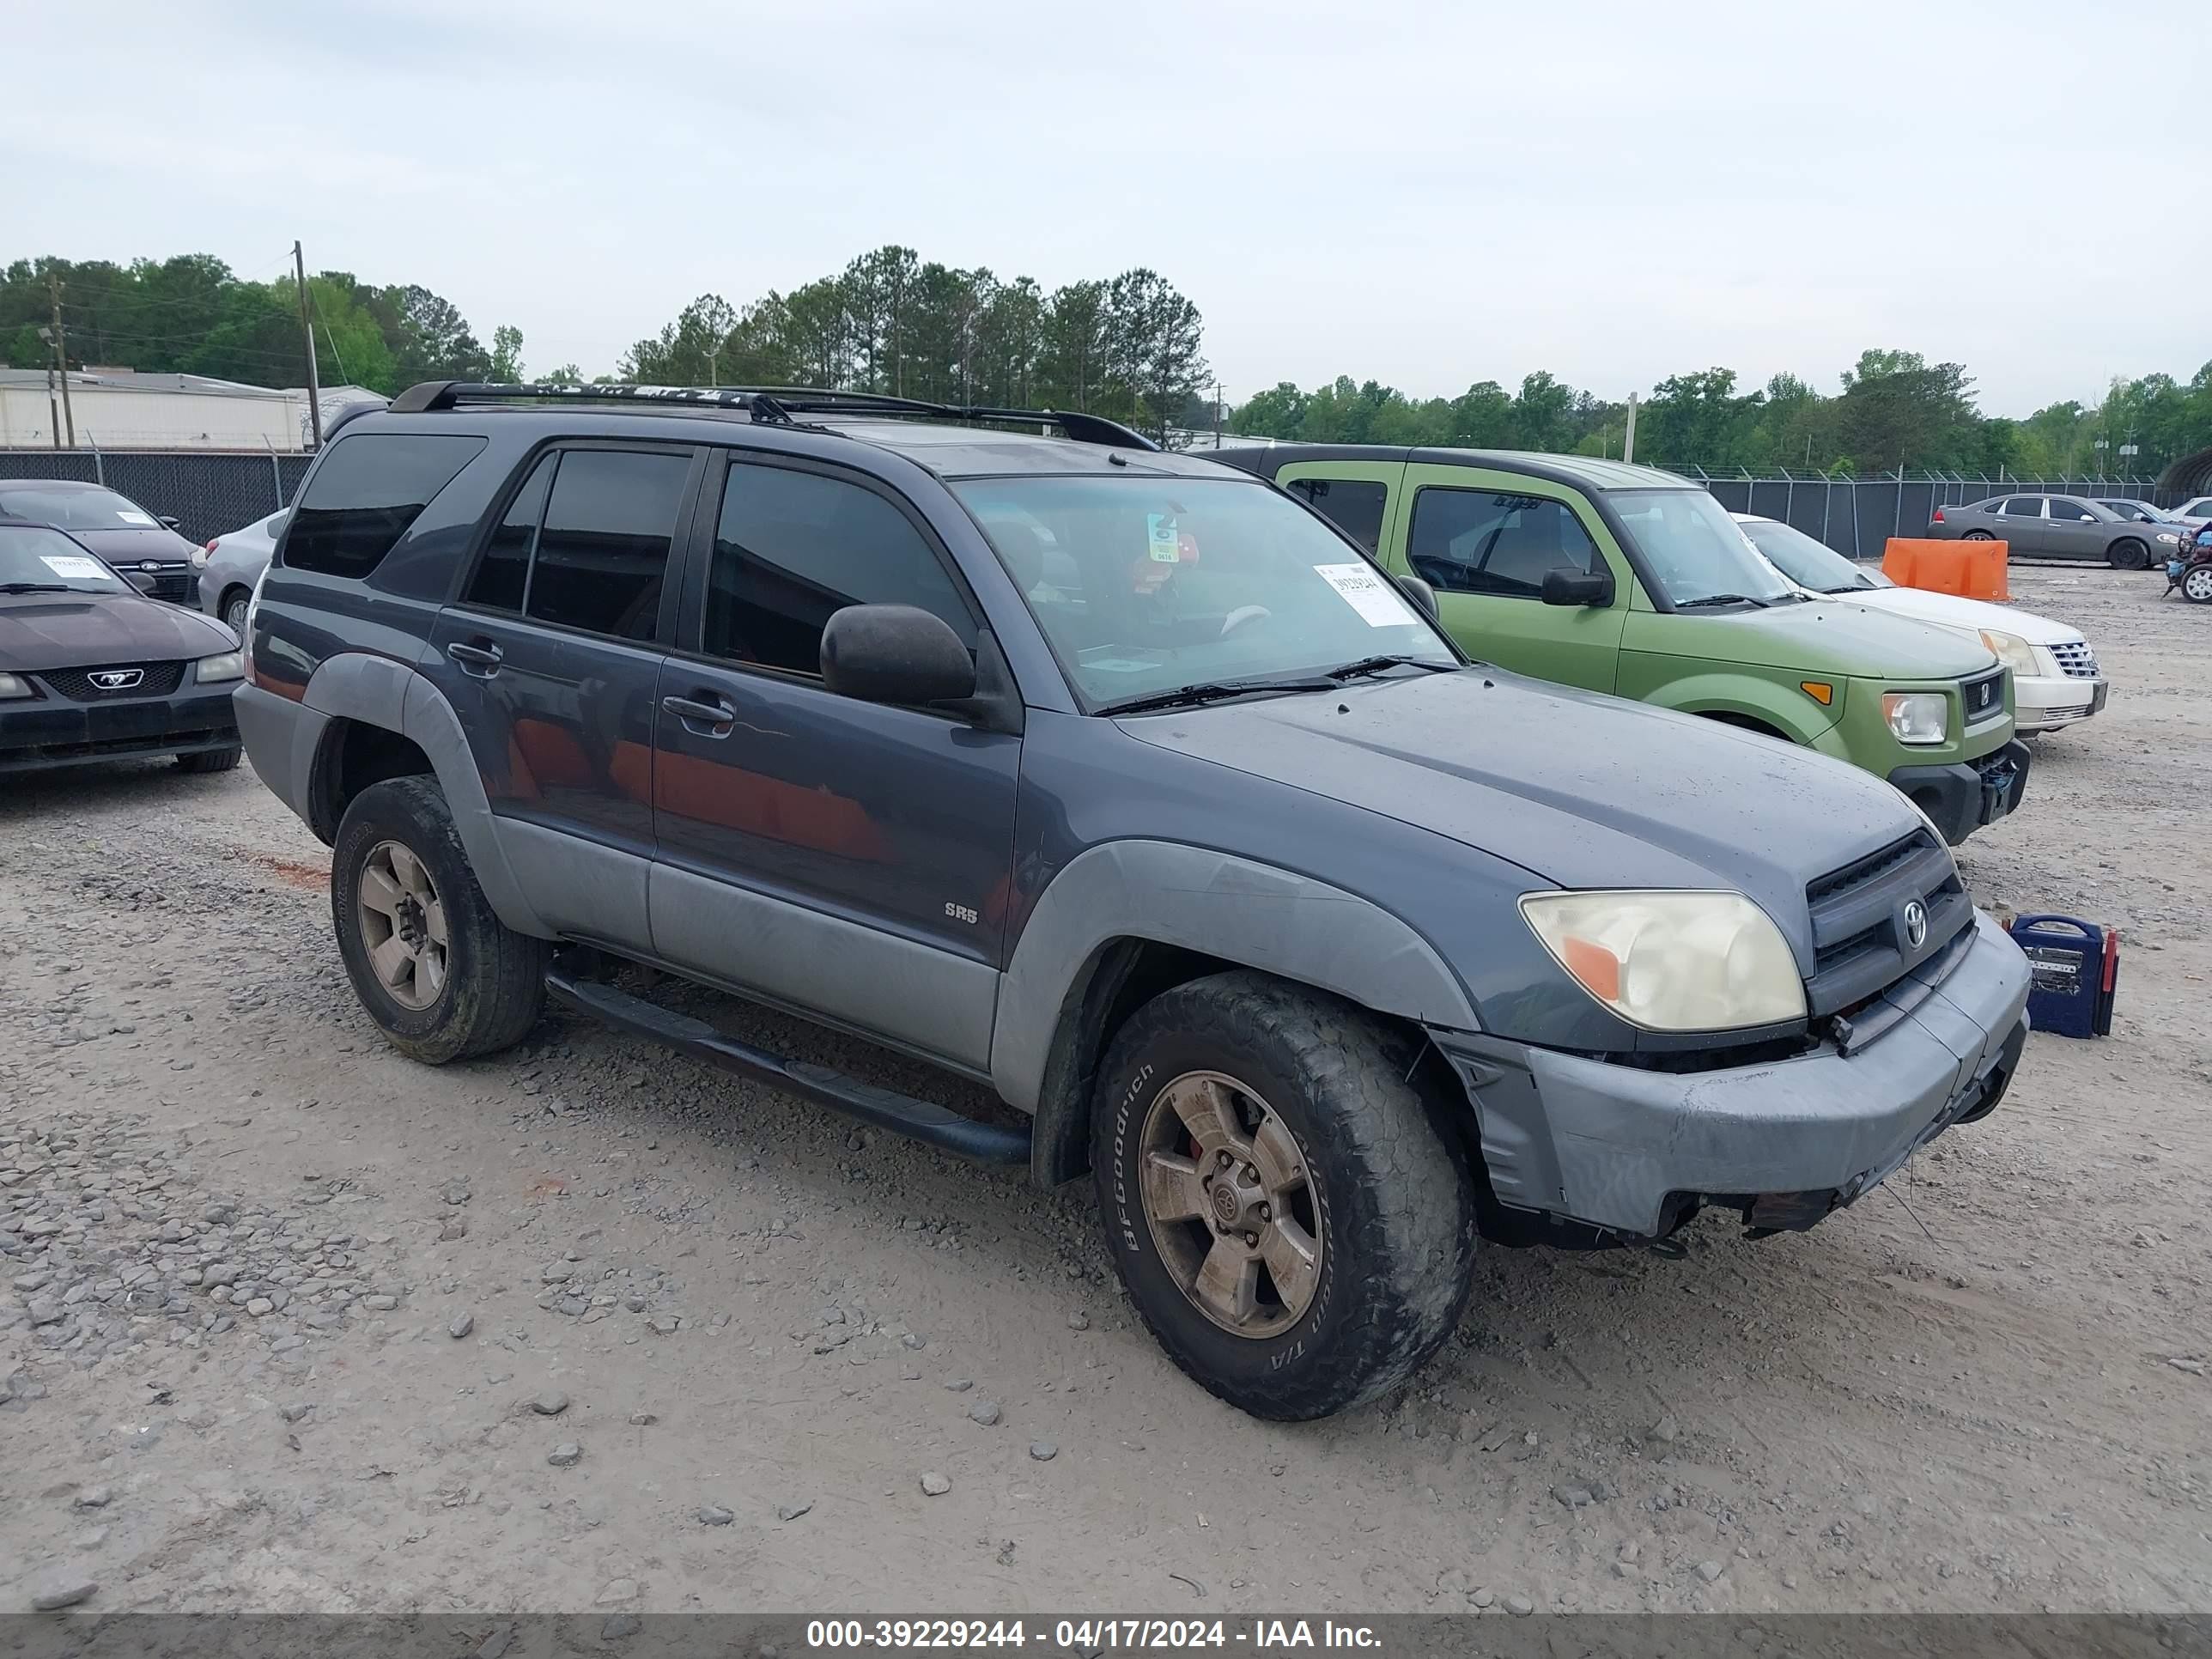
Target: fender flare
<point x="380" y="692"/>
<point x="1257" y="916"/>
<point x="1755" y="699"/>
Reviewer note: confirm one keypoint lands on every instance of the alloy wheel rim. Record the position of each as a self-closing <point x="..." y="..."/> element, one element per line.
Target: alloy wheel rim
<point x="2197" y="584"/>
<point x="1231" y="1204"/>
<point x="403" y="926"/>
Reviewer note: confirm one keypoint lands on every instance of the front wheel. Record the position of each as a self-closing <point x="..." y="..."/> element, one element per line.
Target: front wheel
<point x="2128" y="553"/>
<point x="211" y="760"/>
<point x="2196" y="584"/>
<point x="428" y="957"/>
<point x="1292" y="1217"/>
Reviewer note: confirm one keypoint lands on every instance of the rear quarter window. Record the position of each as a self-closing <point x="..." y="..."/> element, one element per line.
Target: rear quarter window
<point x="368" y="490"/>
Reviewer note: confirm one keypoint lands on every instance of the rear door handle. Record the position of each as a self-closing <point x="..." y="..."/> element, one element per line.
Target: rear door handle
<point x="485" y="657"/>
<point x="716" y="715"/>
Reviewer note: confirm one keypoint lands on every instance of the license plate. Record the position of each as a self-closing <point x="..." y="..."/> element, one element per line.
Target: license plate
<point x="1998" y="795"/>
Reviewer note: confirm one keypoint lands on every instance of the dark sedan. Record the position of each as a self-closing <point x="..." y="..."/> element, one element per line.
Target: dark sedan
<point x="2040" y="526"/>
<point x="92" y="669"/>
<point x="123" y="533"/>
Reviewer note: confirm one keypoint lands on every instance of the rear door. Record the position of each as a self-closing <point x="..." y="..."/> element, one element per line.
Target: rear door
<point x="2019" y="524"/>
<point x="1485" y="540"/>
<point x="552" y="657"/>
<point x="849" y="858"/>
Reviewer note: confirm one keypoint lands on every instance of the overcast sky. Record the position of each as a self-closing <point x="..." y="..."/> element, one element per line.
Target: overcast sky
<point x="1424" y="194"/>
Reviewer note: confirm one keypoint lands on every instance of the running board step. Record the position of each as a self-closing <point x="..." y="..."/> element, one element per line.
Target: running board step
<point x="919" y="1120"/>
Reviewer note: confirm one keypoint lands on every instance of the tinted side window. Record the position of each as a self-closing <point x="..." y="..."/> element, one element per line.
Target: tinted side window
<point x="2068" y="512"/>
<point x="369" y="489"/>
<point x="1353" y="505"/>
<point x="1469" y="541"/>
<point x="792" y="549"/>
<point x="503" y="574"/>
<point x="2023" y="507"/>
<point x="603" y="551"/>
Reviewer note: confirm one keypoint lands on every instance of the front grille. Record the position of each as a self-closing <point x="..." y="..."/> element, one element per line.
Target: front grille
<point x="2076" y="658"/>
<point x="156" y="679"/>
<point x="1859" y="934"/>
<point x="1983" y="696"/>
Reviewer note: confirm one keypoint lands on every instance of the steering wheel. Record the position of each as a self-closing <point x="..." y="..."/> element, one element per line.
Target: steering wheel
<point x="1243" y="614"/>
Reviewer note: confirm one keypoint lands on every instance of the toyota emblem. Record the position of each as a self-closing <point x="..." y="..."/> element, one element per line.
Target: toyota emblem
<point x="1916" y="924"/>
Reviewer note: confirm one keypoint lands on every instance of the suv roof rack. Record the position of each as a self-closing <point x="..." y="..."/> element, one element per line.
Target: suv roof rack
<point x="776" y="404"/>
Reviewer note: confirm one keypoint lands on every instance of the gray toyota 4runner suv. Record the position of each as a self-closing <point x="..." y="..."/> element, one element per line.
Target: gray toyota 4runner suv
<point x="1128" y="787"/>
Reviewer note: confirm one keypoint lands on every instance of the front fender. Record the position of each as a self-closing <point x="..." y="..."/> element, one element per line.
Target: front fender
<point x="1254" y="914"/>
<point x="1787" y="709"/>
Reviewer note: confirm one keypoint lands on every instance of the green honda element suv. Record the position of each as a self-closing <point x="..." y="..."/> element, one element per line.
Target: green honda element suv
<point x="1631" y="580"/>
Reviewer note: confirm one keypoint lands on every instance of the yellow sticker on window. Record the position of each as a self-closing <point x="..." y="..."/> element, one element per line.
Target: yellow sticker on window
<point x="1166" y="544"/>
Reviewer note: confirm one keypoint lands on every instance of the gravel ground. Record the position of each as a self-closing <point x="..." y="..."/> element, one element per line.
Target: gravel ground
<point x="295" y="1324"/>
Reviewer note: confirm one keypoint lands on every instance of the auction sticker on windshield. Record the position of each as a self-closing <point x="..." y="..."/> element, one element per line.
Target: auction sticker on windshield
<point x="1166" y="545"/>
<point x="132" y="516"/>
<point x="1366" y="591"/>
<point x="75" y="565"/>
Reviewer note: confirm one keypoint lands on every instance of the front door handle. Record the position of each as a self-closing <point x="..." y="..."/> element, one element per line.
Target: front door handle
<point x="716" y="715"/>
<point x="485" y="657"/>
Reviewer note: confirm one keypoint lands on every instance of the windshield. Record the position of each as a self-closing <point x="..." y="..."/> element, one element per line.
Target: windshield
<point x="33" y="557"/>
<point x="74" y="509"/>
<point x="1145" y="585"/>
<point x="1810" y="563"/>
<point x="1693" y="550"/>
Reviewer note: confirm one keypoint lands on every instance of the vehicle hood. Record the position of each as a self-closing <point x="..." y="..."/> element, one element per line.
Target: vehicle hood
<point x="1950" y="611"/>
<point x="80" y="631"/>
<point x="134" y="544"/>
<point x="1836" y="636"/>
<point x="1581" y="790"/>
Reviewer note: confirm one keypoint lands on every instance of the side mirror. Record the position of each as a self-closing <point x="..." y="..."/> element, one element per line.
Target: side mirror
<point x="895" y="653"/>
<point x="144" y="581"/>
<point x="1423" y="595"/>
<point x="1578" y="587"/>
<point x="167" y="523"/>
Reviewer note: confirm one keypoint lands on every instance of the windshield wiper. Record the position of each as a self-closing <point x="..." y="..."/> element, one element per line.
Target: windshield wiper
<point x="1189" y="697"/>
<point x="1721" y="598"/>
<point x="1377" y="664"/>
<point x="34" y="587"/>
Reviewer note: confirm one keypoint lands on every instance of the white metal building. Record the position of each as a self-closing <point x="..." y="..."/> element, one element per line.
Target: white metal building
<point x="120" y="409"/>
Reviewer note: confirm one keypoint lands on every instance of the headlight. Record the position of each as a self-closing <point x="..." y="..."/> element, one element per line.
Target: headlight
<point x="2013" y="652"/>
<point x="229" y="665"/>
<point x="12" y="686"/>
<point x="1672" y="961"/>
<point x="1916" y="717"/>
<point x="2168" y="536"/>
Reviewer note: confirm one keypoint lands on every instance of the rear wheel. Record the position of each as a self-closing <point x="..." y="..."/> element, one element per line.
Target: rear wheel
<point x="2197" y="585"/>
<point x="1978" y="535"/>
<point x="429" y="959"/>
<point x="1291" y="1218"/>
<point x="234" y="611"/>
<point x="2128" y="553"/>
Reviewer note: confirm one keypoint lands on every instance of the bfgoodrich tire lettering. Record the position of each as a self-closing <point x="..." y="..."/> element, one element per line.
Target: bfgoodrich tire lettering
<point x="1390" y="1206"/>
<point x="491" y="979"/>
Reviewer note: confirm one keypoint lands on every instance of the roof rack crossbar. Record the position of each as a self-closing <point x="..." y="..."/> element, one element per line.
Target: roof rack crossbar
<point x="776" y="403"/>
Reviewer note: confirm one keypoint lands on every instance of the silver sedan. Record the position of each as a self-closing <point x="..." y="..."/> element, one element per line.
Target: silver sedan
<point x="230" y="565"/>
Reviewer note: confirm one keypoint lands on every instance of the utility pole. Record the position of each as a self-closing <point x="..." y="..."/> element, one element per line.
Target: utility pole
<point x="1628" y="437"/>
<point x="61" y="351"/>
<point x="1217" y="414"/>
<point x="307" y="328"/>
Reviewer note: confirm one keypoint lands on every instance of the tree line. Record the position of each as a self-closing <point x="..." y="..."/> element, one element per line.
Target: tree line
<point x="1129" y="346"/>
<point x="1892" y="409"/>
<point x="192" y="315"/>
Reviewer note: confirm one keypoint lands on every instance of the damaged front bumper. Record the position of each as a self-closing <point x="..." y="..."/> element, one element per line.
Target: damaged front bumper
<point x="1633" y="1151"/>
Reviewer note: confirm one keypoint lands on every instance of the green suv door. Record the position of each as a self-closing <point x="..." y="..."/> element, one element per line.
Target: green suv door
<point x="1629" y="580"/>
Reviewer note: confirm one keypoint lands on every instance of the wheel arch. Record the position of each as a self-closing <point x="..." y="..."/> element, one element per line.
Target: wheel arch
<point x="384" y="720"/>
<point x="1755" y="704"/>
<point x="1127" y="920"/>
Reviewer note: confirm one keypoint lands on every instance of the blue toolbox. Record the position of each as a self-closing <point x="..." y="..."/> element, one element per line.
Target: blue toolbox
<point x="2076" y="965"/>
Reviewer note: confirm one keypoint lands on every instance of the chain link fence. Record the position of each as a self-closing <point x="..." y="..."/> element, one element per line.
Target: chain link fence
<point x="1857" y="516"/>
<point x="207" y="492"/>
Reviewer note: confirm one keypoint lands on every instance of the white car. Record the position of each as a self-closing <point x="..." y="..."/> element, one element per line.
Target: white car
<point x="229" y="565"/>
<point x="2055" y="678"/>
<point x="2195" y="514"/>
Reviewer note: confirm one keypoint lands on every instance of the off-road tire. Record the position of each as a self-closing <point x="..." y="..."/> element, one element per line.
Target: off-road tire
<point x="211" y="760"/>
<point x="495" y="983"/>
<point x="2128" y="553"/>
<point x="1394" y="1206"/>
